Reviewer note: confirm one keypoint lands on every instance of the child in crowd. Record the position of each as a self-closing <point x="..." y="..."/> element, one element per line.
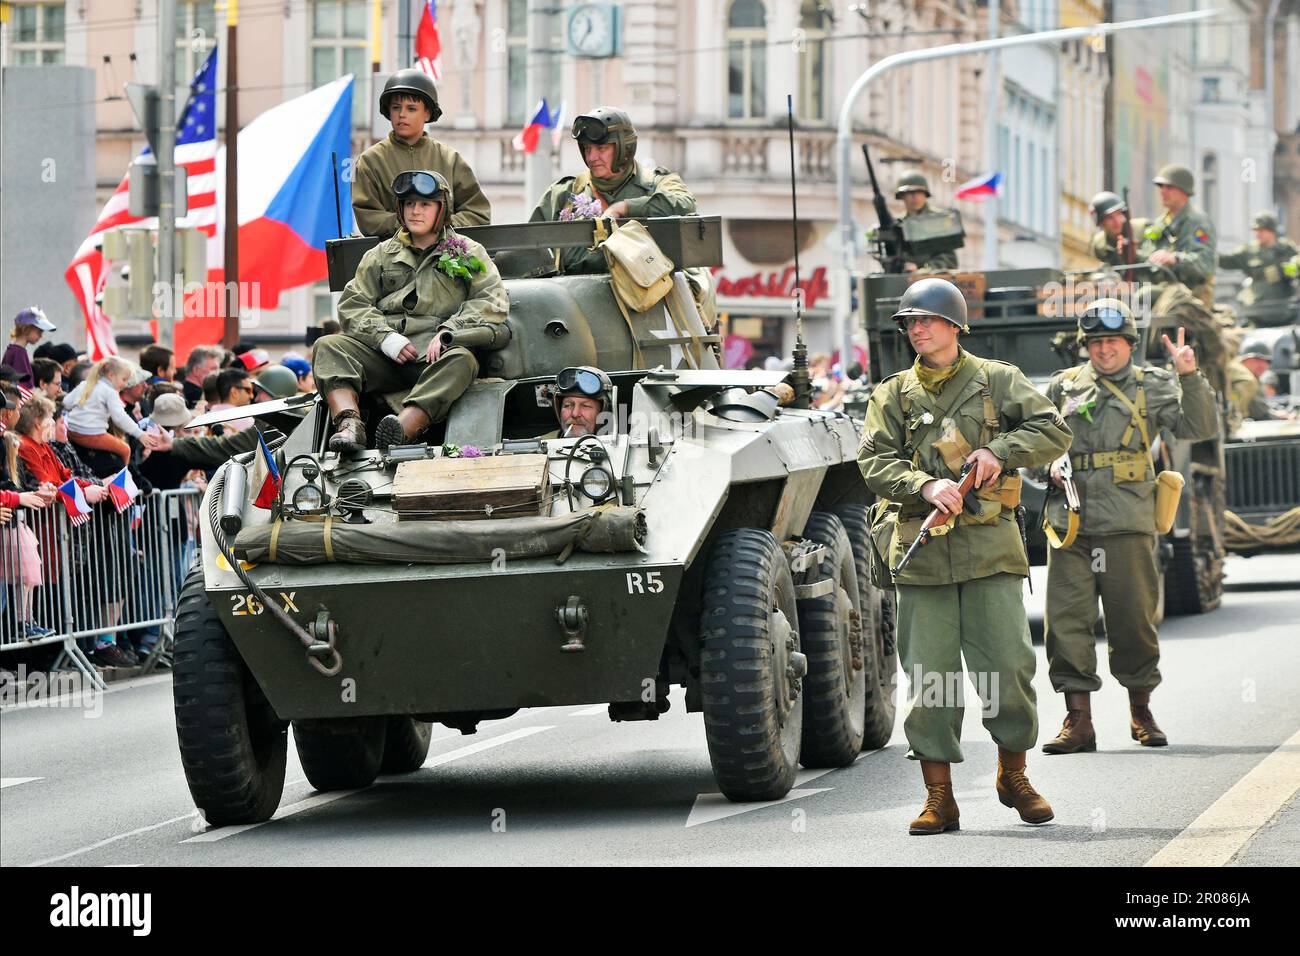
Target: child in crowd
<point x="29" y="325"/>
<point x="96" y="403"/>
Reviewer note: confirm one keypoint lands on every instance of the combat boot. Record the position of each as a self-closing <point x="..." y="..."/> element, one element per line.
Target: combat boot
<point x="1015" y="790"/>
<point x="1077" y="734"/>
<point x="940" y="813"/>
<point x="349" y="434"/>
<point x="1142" y="725"/>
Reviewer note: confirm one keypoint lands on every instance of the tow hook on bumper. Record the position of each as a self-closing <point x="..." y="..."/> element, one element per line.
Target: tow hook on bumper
<point x="322" y="654"/>
<point x="572" y="618"/>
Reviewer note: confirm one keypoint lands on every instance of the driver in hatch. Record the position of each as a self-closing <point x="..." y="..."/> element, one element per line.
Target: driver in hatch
<point x="583" y="400"/>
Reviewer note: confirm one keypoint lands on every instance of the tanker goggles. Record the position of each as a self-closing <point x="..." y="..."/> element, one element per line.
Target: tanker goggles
<point x="579" y="380"/>
<point x="422" y="184"/>
<point x="1105" y="318"/>
<point x="591" y="129"/>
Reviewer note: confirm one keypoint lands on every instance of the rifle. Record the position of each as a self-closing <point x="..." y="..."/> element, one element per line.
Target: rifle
<point x="1130" y="252"/>
<point x="888" y="236"/>
<point x="936" y="517"/>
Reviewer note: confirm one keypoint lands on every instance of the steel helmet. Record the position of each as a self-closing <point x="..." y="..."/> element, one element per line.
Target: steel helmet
<point x="1106" y="317"/>
<point x="585" y="381"/>
<point x="1105" y="203"/>
<point x="1264" y="220"/>
<point x="934" y="296"/>
<point x="416" y="83"/>
<point x="1180" y="177"/>
<point x="278" y="381"/>
<point x="912" y="180"/>
<point x="607" y="124"/>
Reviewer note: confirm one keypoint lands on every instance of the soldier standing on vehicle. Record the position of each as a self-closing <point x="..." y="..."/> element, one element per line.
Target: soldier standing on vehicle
<point x="409" y="101"/>
<point x="1182" y="240"/>
<point x="615" y="185"/>
<point x="1109" y="211"/>
<point x="1115" y="409"/>
<point x="914" y="190"/>
<point x="1271" y="264"/>
<point x="961" y="596"/>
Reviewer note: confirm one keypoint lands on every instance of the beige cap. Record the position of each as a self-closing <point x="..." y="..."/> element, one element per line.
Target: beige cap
<point x="170" y="411"/>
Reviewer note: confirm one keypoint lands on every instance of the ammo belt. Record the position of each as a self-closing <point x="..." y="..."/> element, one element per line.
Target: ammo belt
<point x="1107" y="459"/>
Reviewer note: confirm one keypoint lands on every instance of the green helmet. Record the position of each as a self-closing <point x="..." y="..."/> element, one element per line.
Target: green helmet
<point x="1180" y="177"/>
<point x="415" y="83"/>
<point x="1105" y="203"/>
<point x="1258" y="350"/>
<point x="1264" y="220"/>
<point x="278" y="381"/>
<point x="1106" y="317"/>
<point x="934" y="296"/>
<point x="607" y="124"/>
<point x="912" y="180"/>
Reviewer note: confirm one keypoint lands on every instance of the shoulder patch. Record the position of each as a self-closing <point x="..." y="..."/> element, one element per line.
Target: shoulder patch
<point x="1200" y="235"/>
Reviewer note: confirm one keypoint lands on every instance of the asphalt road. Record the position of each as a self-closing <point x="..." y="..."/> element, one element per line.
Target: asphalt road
<point x="103" y="786"/>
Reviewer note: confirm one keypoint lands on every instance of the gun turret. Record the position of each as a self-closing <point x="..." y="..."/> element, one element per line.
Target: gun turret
<point x="888" y="236"/>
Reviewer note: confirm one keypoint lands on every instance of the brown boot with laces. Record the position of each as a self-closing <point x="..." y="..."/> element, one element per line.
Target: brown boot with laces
<point x="940" y="813"/>
<point x="1077" y="734"/>
<point x="349" y="433"/>
<point x="1015" y="790"/>
<point x="1141" y="724"/>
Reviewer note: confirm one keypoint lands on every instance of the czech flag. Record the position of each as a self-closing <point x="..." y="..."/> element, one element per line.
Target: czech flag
<point x="74" y="501"/>
<point x="428" y="45"/>
<point x="122" y="489"/>
<point x="267" y="473"/>
<point x="543" y="118"/>
<point x="981" y="187"/>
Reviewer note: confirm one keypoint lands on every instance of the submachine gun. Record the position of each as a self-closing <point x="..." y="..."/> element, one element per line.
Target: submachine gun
<point x="898" y="240"/>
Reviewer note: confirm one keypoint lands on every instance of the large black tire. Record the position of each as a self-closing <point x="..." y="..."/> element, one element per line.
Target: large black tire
<point x="749" y="631"/>
<point x="879" y="627"/>
<point x="406" y="744"/>
<point x="830" y="633"/>
<point x="341" y="753"/>
<point x="1194" y="577"/>
<point x="233" y="746"/>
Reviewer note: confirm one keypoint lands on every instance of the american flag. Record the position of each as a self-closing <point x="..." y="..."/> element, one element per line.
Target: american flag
<point x="196" y="150"/>
<point x="428" y="46"/>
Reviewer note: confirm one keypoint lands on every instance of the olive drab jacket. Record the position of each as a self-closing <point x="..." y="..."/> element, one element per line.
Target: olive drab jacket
<point x="1190" y="237"/>
<point x="1110" y="457"/>
<point x="398" y="288"/>
<point x="912" y="437"/>
<point x="373" y="203"/>
<point x="1271" y="270"/>
<point x="1103" y="245"/>
<point x="649" y="193"/>
<point x="939" y="261"/>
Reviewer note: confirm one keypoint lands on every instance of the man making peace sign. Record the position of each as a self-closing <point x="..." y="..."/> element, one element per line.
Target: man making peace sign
<point x="1115" y="409"/>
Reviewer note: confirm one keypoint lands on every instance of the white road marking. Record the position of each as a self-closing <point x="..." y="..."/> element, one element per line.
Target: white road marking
<point x="591" y="711"/>
<point x="15" y="781"/>
<point x="85" y="694"/>
<point x="1227" y="825"/>
<point x="113" y="839"/>
<point x="481" y="745"/>
<point x="710" y="807"/>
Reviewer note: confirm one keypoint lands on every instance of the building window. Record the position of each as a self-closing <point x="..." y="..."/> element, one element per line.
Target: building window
<point x="38" y="33"/>
<point x="196" y="37"/>
<point x="812" y="61"/>
<point x="518" y="109"/>
<point x="1210" y="184"/>
<point x="339" y="47"/>
<point x="1210" y="90"/>
<point x="746" y="60"/>
<point x="323" y="303"/>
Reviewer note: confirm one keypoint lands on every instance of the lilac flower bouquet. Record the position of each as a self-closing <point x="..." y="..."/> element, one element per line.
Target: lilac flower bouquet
<point x="455" y="259"/>
<point x="580" y="206"/>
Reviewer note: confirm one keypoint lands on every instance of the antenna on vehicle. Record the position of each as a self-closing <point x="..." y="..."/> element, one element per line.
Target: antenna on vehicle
<point x="799" y="375"/>
<point x="334" y="175"/>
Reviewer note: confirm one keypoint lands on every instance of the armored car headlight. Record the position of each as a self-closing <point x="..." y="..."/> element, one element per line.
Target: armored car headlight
<point x="308" y="499"/>
<point x="596" y="483"/>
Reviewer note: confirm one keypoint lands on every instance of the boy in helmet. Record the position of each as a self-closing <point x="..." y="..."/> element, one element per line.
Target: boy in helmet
<point x="1182" y="240"/>
<point x="960" y="596"/>
<point x="615" y="182"/>
<point x="914" y="190"/>
<point x="406" y="291"/>
<point x="409" y="101"/>
<point x="1114" y="408"/>
<point x="1108" y="243"/>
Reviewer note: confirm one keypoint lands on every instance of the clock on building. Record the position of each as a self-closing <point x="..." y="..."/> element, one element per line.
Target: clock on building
<point x="593" y="30"/>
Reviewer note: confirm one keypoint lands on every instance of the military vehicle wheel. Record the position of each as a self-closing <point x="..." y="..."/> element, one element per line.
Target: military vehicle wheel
<point x="341" y="753"/>
<point x="880" y="647"/>
<point x="751" y="666"/>
<point x="233" y="746"/>
<point x="1194" y="577"/>
<point x="406" y="744"/>
<point x="830" y="632"/>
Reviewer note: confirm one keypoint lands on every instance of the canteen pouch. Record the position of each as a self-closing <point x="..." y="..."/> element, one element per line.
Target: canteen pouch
<point x="884" y="524"/>
<point x="639" y="272"/>
<point x="1005" y="491"/>
<point x="1169" y="488"/>
<point x="1134" y="469"/>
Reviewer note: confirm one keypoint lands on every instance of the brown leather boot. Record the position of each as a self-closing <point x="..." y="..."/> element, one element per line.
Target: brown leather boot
<point x="1077" y="735"/>
<point x="1142" y="725"/>
<point x="1015" y="790"/>
<point x="940" y="813"/>
<point x="402" y="429"/>
<point x="349" y="433"/>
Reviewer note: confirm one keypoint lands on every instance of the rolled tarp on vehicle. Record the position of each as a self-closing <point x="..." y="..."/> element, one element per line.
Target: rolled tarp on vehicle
<point x="605" y="530"/>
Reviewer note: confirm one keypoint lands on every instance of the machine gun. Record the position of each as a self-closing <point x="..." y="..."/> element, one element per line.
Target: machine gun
<point x="888" y="235"/>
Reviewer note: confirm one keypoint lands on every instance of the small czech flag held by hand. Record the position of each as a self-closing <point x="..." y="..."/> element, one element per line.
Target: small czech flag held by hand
<point x="266" y="476"/>
<point x="74" y="501"/>
<point x="981" y="187"/>
<point x="123" y="491"/>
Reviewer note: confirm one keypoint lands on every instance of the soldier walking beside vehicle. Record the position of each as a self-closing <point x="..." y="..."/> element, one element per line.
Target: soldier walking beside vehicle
<point x="1114" y="408"/>
<point x="961" y="596"/>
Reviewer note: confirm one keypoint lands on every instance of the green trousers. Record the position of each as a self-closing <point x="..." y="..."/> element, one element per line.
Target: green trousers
<point x="984" y="621"/>
<point x="1121" y="570"/>
<point x="339" y="361"/>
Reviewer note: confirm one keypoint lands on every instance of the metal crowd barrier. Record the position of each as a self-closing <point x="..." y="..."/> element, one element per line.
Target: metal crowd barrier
<point x="112" y="574"/>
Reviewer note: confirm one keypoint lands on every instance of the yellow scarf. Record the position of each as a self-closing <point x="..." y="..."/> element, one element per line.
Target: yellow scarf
<point x="934" y="379"/>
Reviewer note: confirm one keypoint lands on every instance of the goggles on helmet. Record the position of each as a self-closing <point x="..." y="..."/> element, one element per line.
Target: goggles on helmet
<point x="581" y="380"/>
<point x="1106" y="318"/>
<point x="591" y="129"/>
<point x="419" y="183"/>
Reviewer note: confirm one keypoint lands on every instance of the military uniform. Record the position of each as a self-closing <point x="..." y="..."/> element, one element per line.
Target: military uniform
<point x="1271" y="270"/>
<point x="373" y="204"/>
<point x="1245" y="392"/>
<point x="1189" y="236"/>
<point x="399" y="289"/>
<point x="1103" y="245"/>
<point x="939" y="261"/>
<point x="649" y="192"/>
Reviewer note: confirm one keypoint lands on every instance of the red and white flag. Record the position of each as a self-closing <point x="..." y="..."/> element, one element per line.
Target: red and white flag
<point x="428" y="45"/>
